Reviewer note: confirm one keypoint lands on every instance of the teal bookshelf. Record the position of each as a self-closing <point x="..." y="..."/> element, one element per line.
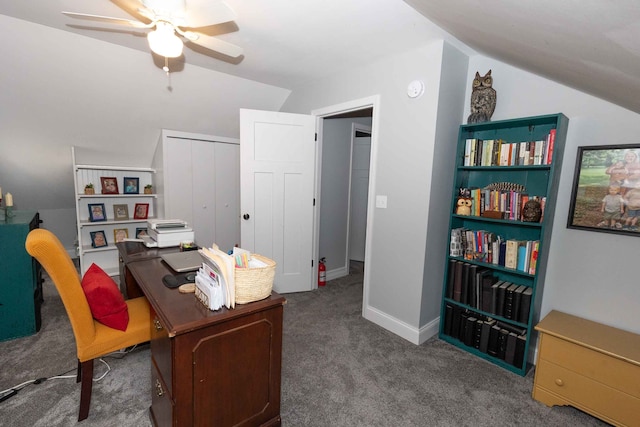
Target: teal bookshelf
<point x="473" y="317"/>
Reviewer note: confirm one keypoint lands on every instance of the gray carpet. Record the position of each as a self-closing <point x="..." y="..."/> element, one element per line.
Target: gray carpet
<point x="338" y="370"/>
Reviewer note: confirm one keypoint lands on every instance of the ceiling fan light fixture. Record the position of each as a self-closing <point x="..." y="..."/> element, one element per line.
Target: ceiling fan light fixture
<point x="164" y="41"/>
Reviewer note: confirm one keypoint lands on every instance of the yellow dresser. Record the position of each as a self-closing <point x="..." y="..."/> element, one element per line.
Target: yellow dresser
<point x="590" y="366"/>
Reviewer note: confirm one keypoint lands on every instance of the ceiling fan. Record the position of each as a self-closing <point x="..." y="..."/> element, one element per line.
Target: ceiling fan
<point x="170" y="19"/>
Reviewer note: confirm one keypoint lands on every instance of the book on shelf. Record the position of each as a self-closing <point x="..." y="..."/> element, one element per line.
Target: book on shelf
<point x="451" y="278"/>
<point x="464" y="297"/>
<point x="469" y="330"/>
<point x="524" y="251"/>
<point x="487" y="282"/>
<point x="525" y="305"/>
<point x="501" y="298"/>
<point x="502" y="343"/>
<point x="484" y="334"/>
<point x="508" y="301"/>
<point x="448" y="318"/>
<point x="494" y="341"/>
<point x="517" y="303"/>
<point x="551" y="139"/>
<point x="477" y="333"/>
<point x="498" y="152"/>
<point x="521" y="343"/>
<point x="511" y="254"/>
<point x="457" y="281"/>
<point x="533" y="262"/>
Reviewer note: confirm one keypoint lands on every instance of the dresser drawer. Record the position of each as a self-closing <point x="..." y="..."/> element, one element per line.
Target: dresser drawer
<point x="162" y="406"/>
<point x="601" y="367"/>
<point x="161" y="351"/>
<point x="589" y="395"/>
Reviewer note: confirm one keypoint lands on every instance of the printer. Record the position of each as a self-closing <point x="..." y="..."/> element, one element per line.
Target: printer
<point x="163" y="233"/>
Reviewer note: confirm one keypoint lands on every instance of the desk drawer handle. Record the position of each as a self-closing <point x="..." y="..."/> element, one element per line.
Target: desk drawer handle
<point x="559" y="382"/>
<point x="159" y="390"/>
<point x="157" y="324"/>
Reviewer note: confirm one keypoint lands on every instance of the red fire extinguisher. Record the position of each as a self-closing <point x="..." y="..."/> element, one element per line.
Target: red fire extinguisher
<point x="322" y="273"/>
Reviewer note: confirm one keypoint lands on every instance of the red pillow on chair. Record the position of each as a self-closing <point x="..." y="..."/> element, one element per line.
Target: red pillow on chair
<point x="105" y="300"/>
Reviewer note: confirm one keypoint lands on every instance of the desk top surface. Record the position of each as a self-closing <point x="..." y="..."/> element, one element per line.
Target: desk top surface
<point x="182" y="313"/>
<point x="137" y="251"/>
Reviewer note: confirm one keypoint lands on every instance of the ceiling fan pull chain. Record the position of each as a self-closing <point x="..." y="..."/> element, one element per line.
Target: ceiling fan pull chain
<point x="166" y="66"/>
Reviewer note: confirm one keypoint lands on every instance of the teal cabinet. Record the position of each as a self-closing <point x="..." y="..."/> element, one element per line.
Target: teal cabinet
<point x="20" y="278"/>
<point x="497" y="255"/>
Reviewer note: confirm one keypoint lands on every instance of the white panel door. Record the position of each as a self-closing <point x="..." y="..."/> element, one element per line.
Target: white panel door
<point x="277" y="172"/>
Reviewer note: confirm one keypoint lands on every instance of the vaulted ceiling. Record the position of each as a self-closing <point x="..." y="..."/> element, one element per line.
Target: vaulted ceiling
<point x="586" y="44"/>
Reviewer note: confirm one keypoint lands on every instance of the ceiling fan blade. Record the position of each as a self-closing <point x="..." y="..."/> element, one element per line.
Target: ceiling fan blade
<point x="203" y="13"/>
<point x="216" y="44"/>
<point x="108" y="19"/>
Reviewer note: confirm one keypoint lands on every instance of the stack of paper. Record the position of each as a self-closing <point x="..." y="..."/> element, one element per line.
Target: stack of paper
<point x="220" y="264"/>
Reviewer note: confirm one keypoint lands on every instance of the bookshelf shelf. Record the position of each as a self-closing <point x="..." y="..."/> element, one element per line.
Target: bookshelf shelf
<point x="494" y="276"/>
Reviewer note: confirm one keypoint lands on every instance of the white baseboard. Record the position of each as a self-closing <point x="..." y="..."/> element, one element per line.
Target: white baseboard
<point x="337" y="273"/>
<point x="400" y="328"/>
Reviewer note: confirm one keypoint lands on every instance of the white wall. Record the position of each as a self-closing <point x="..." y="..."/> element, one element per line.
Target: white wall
<point x="589" y="274"/>
<point x="61" y="89"/>
<point x="403" y="160"/>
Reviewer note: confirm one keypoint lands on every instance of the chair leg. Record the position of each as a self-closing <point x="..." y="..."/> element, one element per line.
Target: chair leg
<point x="86" y="375"/>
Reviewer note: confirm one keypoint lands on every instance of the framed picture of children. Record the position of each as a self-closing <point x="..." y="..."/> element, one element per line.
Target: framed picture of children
<point x="120" y="234"/>
<point x="606" y="189"/>
<point x="98" y="239"/>
<point x="96" y="212"/>
<point x="131" y="185"/>
<point x="120" y="212"/>
<point x="141" y="211"/>
<point x="109" y="184"/>
<point x="141" y="232"/>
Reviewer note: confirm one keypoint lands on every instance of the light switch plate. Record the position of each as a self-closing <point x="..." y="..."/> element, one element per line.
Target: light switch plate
<point x="381" y="202"/>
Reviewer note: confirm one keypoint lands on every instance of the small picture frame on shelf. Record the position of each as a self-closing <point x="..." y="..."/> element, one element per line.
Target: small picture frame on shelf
<point x="98" y="239"/>
<point x="97" y="212"/>
<point x="606" y="189"/>
<point x="141" y="211"/>
<point x="141" y="232"/>
<point x="121" y="212"/>
<point x="131" y="185"/>
<point x="109" y="185"/>
<point x="120" y="234"/>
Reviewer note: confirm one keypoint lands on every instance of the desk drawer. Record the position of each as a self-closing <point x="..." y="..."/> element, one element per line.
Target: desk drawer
<point x="591" y="396"/>
<point x="161" y="351"/>
<point x="161" y="404"/>
<point x="601" y="367"/>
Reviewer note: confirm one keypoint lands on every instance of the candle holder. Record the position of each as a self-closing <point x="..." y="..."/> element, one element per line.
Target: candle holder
<point x="7" y="212"/>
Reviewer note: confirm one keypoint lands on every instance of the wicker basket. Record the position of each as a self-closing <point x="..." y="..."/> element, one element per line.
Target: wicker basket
<point x="254" y="284"/>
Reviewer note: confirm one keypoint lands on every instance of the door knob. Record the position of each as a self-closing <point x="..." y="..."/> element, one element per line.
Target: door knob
<point x="246" y="216"/>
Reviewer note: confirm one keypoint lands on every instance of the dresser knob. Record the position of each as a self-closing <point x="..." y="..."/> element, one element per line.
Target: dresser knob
<point x="559" y="382"/>
<point x="157" y="324"/>
<point x="159" y="390"/>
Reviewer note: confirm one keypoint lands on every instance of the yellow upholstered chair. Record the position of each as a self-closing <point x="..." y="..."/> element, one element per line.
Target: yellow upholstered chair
<point x="93" y="339"/>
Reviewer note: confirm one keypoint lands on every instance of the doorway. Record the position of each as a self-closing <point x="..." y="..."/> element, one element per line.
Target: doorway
<point x="333" y="227"/>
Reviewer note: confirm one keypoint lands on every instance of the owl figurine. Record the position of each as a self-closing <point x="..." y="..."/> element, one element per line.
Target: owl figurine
<point x="483" y="99"/>
<point x="464" y="206"/>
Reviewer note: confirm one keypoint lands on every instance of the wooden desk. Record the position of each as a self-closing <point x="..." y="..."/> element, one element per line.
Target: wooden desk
<point x="131" y="252"/>
<point x="211" y="368"/>
<point x="591" y="366"/>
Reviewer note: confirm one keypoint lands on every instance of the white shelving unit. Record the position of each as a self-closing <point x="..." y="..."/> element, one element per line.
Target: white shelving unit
<point x="107" y="257"/>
